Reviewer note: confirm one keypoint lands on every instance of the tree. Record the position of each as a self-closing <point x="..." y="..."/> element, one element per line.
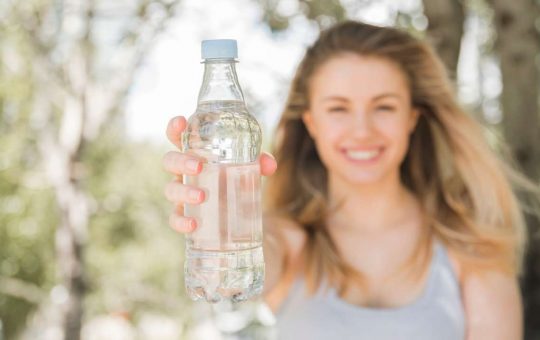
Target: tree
<point x="445" y="29"/>
<point x="518" y="49"/>
<point x="74" y="93"/>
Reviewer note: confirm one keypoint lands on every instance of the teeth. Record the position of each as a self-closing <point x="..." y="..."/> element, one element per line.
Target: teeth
<point x="362" y="155"/>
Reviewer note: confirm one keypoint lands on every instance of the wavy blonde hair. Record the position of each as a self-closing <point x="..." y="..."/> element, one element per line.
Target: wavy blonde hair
<point x="463" y="187"/>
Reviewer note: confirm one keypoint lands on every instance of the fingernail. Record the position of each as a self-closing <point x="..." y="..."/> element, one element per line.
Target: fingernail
<point x="176" y="123"/>
<point x="192" y="224"/>
<point x="192" y="164"/>
<point x="194" y="195"/>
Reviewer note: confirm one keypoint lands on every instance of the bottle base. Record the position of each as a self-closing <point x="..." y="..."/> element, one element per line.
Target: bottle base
<point x="216" y="276"/>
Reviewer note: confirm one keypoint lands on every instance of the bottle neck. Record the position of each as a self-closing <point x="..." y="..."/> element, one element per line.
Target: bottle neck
<point x="220" y="82"/>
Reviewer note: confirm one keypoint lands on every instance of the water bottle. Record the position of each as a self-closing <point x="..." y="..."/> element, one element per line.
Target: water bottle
<point x="224" y="258"/>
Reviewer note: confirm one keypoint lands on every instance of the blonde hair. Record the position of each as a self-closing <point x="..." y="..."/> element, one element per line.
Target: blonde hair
<point x="463" y="187"/>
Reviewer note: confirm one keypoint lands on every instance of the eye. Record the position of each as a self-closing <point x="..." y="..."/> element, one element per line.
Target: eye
<point x="388" y="108"/>
<point x="337" y="109"/>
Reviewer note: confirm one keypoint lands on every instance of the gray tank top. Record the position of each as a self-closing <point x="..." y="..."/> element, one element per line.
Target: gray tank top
<point x="436" y="314"/>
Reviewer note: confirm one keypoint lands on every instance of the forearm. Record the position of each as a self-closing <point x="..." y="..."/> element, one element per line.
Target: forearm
<point x="274" y="254"/>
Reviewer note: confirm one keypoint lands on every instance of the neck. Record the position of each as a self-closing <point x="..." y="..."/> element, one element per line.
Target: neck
<point x="220" y="82"/>
<point x="371" y="207"/>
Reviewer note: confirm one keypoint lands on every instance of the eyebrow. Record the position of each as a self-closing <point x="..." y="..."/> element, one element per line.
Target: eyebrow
<point x="380" y="96"/>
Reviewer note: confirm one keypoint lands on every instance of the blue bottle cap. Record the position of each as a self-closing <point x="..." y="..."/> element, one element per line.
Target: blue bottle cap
<point x="219" y="49"/>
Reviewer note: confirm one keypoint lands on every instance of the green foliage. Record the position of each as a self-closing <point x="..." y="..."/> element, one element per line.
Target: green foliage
<point x="27" y="214"/>
<point x="277" y="14"/>
<point x="134" y="260"/>
<point x="27" y="206"/>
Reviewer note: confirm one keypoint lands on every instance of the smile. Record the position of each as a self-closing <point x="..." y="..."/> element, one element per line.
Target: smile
<point x="364" y="155"/>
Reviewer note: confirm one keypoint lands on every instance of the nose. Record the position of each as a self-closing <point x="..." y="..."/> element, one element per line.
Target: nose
<point x="362" y="124"/>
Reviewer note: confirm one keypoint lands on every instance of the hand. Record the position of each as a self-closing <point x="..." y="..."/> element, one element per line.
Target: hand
<point x="178" y="164"/>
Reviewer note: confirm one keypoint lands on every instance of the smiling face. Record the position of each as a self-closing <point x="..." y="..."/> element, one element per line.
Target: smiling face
<point x="360" y="117"/>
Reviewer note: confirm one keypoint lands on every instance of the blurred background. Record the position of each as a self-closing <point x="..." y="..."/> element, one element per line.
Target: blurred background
<point x="86" y="90"/>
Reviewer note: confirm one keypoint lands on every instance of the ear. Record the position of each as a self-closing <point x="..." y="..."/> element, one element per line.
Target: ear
<point x="307" y="118"/>
<point x="415" y="114"/>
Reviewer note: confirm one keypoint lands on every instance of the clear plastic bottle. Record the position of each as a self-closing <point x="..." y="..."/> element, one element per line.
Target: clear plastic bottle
<point x="224" y="259"/>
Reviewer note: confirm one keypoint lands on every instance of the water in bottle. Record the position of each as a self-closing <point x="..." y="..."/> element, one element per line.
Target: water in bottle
<point x="224" y="259"/>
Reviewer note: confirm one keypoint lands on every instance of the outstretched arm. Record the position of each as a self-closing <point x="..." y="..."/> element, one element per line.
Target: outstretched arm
<point x="492" y="306"/>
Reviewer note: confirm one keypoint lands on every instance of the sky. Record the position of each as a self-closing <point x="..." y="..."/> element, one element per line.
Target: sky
<point x="168" y="82"/>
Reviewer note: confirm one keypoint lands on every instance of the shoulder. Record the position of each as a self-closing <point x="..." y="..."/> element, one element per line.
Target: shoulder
<point x="492" y="303"/>
<point x="284" y="240"/>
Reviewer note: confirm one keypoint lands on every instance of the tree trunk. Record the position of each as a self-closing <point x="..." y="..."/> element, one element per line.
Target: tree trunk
<point x="61" y="150"/>
<point x="71" y="236"/>
<point x="445" y="29"/>
<point x="518" y="46"/>
<point x="74" y="101"/>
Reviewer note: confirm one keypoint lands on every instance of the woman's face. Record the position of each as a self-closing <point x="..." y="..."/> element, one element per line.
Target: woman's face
<point x="360" y="117"/>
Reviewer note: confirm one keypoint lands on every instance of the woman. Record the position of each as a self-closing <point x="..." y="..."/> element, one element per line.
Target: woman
<point x="389" y="217"/>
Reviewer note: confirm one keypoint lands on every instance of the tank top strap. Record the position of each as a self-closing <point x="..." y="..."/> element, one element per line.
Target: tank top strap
<point x="442" y="259"/>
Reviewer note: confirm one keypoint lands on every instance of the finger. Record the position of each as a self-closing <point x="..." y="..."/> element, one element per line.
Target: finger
<point x="182" y="224"/>
<point x="178" y="163"/>
<point x="268" y="164"/>
<point x="175" y="128"/>
<point x="180" y="193"/>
